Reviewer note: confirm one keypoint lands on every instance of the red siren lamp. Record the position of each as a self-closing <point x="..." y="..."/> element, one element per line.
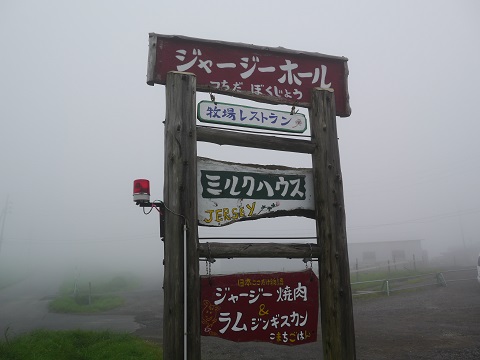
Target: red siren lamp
<point x="141" y="191"/>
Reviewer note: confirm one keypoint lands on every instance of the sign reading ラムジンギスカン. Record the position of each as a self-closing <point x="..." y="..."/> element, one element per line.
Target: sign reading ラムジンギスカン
<point x="230" y="192"/>
<point x="273" y="75"/>
<point x="280" y="308"/>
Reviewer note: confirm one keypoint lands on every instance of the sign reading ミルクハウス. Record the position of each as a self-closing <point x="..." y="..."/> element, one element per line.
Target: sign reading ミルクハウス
<point x="230" y="192"/>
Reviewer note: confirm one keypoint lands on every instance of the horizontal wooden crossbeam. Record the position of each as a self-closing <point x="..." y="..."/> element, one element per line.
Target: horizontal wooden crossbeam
<point x="258" y="250"/>
<point x="225" y="137"/>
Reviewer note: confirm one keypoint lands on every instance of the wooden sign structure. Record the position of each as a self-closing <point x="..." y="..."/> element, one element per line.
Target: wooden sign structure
<point x="182" y="247"/>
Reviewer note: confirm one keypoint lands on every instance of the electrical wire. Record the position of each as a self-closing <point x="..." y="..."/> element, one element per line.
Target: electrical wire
<point x="258" y="238"/>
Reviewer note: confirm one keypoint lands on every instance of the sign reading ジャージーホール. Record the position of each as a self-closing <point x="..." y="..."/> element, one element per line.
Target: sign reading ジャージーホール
<point x="230" y="192"/>
<point x="274" y="75"/>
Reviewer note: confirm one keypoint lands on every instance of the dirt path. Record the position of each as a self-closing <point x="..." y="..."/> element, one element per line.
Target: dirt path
<point x="428" y="324"/>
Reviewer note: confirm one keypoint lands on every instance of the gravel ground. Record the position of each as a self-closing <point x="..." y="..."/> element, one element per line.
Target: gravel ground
<point x="427" y="324"/>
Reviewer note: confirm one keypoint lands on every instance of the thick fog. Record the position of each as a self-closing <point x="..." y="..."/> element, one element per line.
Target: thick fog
<point x="78" y="124"/>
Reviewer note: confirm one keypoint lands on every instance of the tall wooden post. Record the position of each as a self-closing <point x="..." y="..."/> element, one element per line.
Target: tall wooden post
<point x="338" y="334"/>
<point x="180" y="198"/>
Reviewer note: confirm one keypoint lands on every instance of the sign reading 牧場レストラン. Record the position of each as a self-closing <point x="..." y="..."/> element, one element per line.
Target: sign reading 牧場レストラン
<point x="278" y="307"/>
<point x="239" y="115"/>
<point x="272" y="75"/>
<point x="230" y="192"/>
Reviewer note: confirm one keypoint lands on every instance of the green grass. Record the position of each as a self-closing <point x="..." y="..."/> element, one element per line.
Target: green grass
<point x="395" y="277"/>
<point x="103" y="295"/>
<point x="78" y="345"/>
<point x="101" y="284"/>
<point x="79" y="304"/>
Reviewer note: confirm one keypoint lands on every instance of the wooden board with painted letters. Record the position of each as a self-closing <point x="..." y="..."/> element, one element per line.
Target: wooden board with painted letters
<point x="278" y="307"/>
<point x="267" y="74"/>
<point x="231" y="192"/>
<point x="247" y="116"/>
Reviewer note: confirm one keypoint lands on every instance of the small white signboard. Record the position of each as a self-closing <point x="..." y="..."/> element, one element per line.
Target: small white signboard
<point x="237" y="115"/>
<point x="230" y="192"/>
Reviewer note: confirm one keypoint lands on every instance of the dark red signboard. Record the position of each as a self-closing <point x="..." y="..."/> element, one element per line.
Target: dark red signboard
<point x="273" y="75"/>
<point x="280" y="307"/>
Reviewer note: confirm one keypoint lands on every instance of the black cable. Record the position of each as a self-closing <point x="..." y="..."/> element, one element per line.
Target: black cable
<point x="257" y="237"/>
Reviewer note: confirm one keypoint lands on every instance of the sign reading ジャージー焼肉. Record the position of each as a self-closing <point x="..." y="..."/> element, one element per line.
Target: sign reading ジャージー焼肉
<point x="230" y="192"/>
<point x="272" y="75"/>
<point x="278" y="307"/>
<point x="247" y="116"/>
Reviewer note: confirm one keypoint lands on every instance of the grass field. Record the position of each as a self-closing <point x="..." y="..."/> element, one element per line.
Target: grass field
<point x="375" y="280"/>
<point x="87" y="297"/>
<point x="78" y="345"/>
<point x="82" y="304"/>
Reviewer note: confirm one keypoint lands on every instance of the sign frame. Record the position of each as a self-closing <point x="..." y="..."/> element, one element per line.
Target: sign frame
<point x="181" y="275"/>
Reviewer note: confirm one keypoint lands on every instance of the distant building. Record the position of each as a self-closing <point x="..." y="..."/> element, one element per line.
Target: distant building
<point x="396" y="253"/>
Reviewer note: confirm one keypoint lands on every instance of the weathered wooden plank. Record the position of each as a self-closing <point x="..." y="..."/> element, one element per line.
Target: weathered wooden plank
<point x="180" y="198"/>
<point x="338" y="332"/>
<point x="224" y="137"/>
<point x="221" y="202"/>
<point x="152" y="56"/>
<point x="218" y="250"/>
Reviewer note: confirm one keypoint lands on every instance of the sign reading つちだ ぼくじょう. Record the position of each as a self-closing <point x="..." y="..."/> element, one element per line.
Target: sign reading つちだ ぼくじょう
<point x="267" y="74"/>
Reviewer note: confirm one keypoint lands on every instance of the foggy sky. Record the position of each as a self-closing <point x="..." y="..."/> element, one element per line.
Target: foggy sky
<point x="78" y="123"/>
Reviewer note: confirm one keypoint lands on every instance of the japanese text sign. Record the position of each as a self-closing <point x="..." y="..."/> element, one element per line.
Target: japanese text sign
<point x="236" y="115"/>
<point x="272" y="75"/>
<point x="230" y="192"/>
<point x="280" y="308"/>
